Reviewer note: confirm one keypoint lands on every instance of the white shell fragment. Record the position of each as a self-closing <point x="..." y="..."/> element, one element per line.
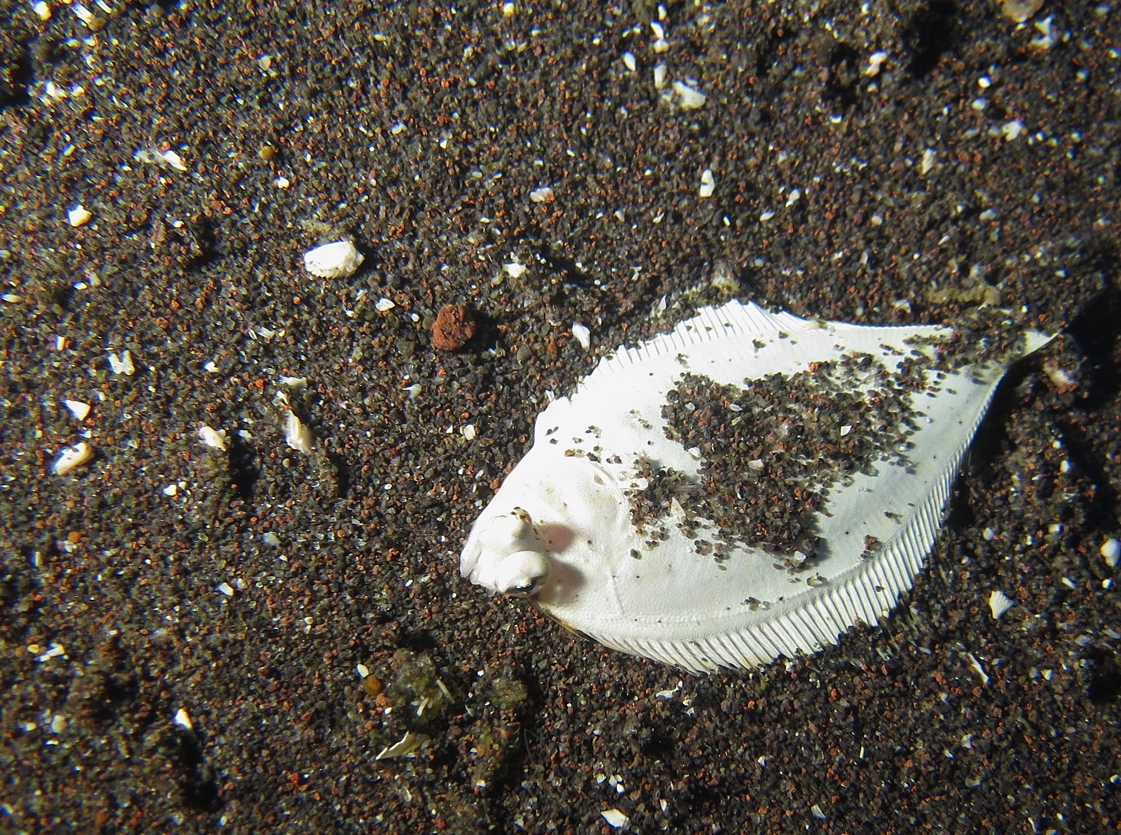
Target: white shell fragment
<point x="708" y="184"/>
<point x="687" y="97"/>
<point x="406" y="747"/>
<point x="615" y="818"/>
<point x="1111" y="550"/>
<point x="746" y="487"/>
<point x="77" y="408"/>
<point x="72" y="457"/>
<point x="213" y="438"/>
<point x="183" y="720"/>
<point x="78" y="216"/>
<point x="542" y="194"/>
<point x="122" y="364"/>
<point x="334" y="260"/>
<point x="999" y="603"/>
<point x="296" y="434"/>
<point x="155" y="156"/>
<point x="582" y="335"/>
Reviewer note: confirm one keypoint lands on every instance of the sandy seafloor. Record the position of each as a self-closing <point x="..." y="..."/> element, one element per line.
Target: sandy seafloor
<point x="420" y="130"/>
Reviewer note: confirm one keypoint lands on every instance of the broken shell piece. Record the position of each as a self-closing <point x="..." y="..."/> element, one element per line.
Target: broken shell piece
<point x="1111" y="550"/>
<point x="408" y="745"/>
<point x="296" y="434"/>
<point x="77" y="408"/>
<point x="73" y="457"/>
<point x="582" y="335"/>
<point x="79" y="215"/>
<point x="1020" y="11"/>
<point x="708" y="184"/>
<point x="158" y="157"/>
<point x="334" y="260"/>
<point x="687" y="97"/>
<point x="213" y="438"/>
<point x="737" y="551"/>
<point x="183" y="720"/>
<point x="616" y="818"/>
<point x="999" y="603"/>
<point x="874" y="62"/>
<point x="122" y="364"/>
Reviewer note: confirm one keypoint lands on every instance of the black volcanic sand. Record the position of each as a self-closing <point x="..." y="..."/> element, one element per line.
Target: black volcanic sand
<point x="420" y="131"/>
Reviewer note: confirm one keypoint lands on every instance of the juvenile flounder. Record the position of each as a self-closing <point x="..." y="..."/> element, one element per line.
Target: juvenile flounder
<point x="747" y="486"/>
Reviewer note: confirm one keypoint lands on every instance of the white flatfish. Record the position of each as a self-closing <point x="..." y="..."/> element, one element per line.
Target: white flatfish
<point x="748" y="486"/>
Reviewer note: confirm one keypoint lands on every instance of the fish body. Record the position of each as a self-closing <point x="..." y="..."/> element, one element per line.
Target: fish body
<point x="747" y="486"/>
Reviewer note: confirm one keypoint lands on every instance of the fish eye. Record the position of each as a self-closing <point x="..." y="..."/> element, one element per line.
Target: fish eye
<point x="528" y="588"/>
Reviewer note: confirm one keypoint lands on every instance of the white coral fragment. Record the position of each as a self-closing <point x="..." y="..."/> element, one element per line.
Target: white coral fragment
<point x="296" y="434"/>
<point x="582" y="334"/>
<point x="72" y="458"/>
<point x="338" y="259"/>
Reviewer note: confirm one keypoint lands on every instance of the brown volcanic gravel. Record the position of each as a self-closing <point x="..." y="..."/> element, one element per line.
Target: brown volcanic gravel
<point x="454" y="327"/>
<point x="420" y="131"/>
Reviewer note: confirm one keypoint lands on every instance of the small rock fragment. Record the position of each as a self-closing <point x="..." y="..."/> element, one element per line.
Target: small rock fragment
<point x="454" y="328"/>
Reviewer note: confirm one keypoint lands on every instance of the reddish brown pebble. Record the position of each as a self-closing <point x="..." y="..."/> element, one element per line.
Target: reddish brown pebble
<point x="372" y="686"/>
<point x="453" y="329"/>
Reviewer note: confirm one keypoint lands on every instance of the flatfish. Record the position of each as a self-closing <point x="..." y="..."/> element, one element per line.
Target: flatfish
<point x="745" y="487"/>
